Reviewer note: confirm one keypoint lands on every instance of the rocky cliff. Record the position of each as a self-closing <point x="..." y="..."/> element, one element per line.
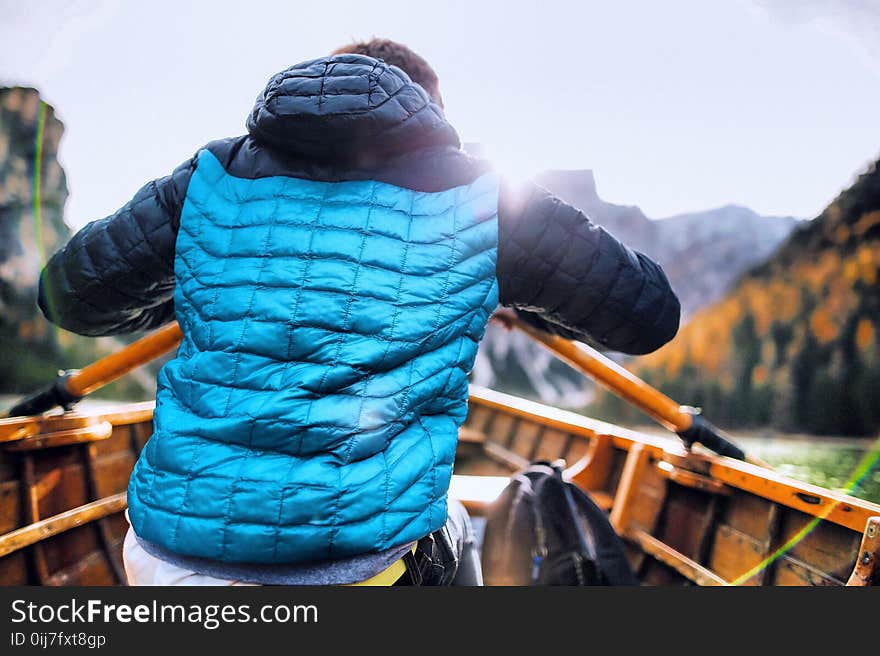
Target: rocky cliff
<point x="33" y="191"/>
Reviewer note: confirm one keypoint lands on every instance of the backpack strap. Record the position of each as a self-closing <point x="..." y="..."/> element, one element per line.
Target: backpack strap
<point x="610" y="555"/>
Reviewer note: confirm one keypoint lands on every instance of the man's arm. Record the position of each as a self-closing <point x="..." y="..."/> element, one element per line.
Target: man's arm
<point x="116" y="275"/>
<point x="566" y="275"/>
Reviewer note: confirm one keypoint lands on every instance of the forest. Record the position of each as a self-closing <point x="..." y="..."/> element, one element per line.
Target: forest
<point x="794" y="345"/>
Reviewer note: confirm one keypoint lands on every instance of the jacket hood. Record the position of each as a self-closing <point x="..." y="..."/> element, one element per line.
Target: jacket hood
<point x="348" y="107"/>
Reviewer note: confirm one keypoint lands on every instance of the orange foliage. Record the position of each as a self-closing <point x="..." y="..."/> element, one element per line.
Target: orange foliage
<point x="864" y="334"/>
<point x="759" y="300"/>
<point x="786" y="301"/>
<point x="822" y="326"/>
<point x="817" y="272"/>
<point x="851" y="271"/>
<point x="759" y="375"/>
<point x="840" y="298"/>
<point x="704" y="342"/>
<point x="804" y="297"/>
<point x="868" y="260"/>
<point x="674" y="361"/>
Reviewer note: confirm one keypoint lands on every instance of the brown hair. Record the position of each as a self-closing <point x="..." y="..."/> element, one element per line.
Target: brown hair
<point x="399" y="55"/>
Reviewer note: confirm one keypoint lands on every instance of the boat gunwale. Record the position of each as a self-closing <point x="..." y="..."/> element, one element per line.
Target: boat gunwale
<point x="13" y="429"/>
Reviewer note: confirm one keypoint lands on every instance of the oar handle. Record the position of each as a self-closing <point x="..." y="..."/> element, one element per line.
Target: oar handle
<point x="683" y="420"/>
<point x="71" y="386"/>
<point x="711" y="437"/>
<point x="53" y="395"/>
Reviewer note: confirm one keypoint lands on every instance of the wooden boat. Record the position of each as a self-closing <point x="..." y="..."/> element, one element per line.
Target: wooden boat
<point x="687" y="516"/>
<point x="62" y="494"/>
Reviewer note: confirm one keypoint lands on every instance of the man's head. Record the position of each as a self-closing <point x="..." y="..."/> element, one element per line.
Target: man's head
<point x="398" y="55"/>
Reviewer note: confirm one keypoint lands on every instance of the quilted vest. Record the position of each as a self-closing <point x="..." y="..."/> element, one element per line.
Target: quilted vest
<point x="312" y="410"/>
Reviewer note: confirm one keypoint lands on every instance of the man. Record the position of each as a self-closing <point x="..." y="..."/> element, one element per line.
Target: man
<point x="332" y="271"/>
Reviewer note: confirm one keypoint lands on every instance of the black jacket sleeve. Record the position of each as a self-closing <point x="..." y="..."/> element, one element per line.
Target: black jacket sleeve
<point x="116" y="275"/>
<point x="566" y="275"/>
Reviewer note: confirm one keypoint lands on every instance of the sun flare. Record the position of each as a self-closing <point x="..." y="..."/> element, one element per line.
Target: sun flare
<point x="513" y="163"/>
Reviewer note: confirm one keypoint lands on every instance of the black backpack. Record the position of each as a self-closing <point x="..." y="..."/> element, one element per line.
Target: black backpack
<point x="543" y="530"/>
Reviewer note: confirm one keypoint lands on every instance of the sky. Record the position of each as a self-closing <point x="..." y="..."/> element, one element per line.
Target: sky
<point x="676" y="106"/>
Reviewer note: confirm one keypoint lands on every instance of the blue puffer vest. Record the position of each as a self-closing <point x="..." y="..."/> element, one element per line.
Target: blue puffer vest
<point x="330" y="318"/>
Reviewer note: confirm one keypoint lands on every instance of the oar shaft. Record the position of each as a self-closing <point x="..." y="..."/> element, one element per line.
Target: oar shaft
<point x="682" y="420"/>
<point x="114" y="366"/>
<point x="613" y="377"/>
<point x="71" y="386"/>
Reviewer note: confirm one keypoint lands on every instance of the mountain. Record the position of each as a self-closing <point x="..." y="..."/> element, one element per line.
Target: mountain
<point x="702" y="253"/>
<point x="33" y="191"/>
<point x="578" y="188"/>
<point x="795" y="343"/>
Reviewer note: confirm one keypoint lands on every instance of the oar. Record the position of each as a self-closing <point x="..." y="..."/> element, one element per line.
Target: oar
<point x="71" y="386"/>
<point x="683" y="420"/>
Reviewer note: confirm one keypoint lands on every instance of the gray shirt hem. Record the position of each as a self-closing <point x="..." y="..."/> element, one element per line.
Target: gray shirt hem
<point x="330" y="572"/>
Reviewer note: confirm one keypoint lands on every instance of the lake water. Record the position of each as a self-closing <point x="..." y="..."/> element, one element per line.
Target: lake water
<point x="833" y="463"/>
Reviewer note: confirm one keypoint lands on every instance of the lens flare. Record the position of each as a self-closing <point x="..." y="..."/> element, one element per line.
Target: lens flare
<point x="37" y="190"/>
<point x="511" y="162"/>
<point x="38" y="167"/>
<point x="866" y="464"/>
